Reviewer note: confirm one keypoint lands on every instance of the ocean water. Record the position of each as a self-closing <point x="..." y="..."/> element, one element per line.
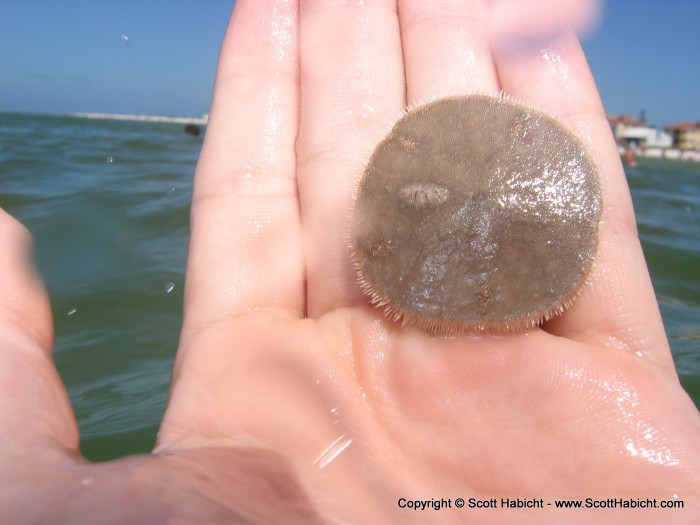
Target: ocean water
<point x="108" y="205"/>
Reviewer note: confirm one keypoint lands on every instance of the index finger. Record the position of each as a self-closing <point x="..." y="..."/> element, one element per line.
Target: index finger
<point x="245" y="248"/>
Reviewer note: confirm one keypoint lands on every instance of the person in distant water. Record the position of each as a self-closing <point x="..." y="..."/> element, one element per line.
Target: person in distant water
<point x="628" y="156"/>
<point x="192" y="129"/>
<point x="295" y="401"/>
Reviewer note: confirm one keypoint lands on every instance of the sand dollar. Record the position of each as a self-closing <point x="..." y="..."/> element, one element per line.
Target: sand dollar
<point x="476" y="214"/>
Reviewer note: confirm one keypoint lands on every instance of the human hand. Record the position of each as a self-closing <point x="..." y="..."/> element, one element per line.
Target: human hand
<point x="293" y="400"/>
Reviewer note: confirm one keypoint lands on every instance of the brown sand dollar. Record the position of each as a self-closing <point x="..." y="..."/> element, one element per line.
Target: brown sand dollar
<point x="476" y="214"/>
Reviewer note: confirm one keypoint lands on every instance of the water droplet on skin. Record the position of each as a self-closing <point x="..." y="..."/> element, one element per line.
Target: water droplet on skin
<point x="469" y="58"/>
<point x="335" y="412"/>
<point x="169" y="287"/>
<point x="332" y="451"/>
<point x="555" y="62"/>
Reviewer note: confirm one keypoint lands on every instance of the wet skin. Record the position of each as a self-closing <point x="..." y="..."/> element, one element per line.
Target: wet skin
<point x="295" y="401"/>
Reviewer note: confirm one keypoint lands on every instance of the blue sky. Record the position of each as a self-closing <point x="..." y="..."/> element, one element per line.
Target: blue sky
<point x="68" y="55"/>
<point x="645" y="54"/>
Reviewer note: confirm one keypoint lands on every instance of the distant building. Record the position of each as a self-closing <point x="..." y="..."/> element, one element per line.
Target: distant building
<point x="686" y="135"/>
<point x="635" y="133"/>
<point x="647" y="137"/>
<point x="619" y="123"/>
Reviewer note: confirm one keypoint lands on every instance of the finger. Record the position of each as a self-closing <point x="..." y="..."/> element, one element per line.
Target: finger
<point x="618" y="308"/>
<point x="446" y="48"/>
<point x="245" y="249"/>
<point x="352" y="90"/>
<point x="24" y="306"/>
<point x="34" y="407"/>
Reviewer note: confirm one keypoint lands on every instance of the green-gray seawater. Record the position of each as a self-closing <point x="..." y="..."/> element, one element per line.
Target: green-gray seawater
<point x="108" y="205"/>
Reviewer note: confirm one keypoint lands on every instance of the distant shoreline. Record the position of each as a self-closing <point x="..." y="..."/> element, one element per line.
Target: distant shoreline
<point x="663" y="153"/>
<point x="142" y="118"/>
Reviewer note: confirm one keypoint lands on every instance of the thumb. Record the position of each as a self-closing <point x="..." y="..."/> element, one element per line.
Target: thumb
<point x="34" y="406"/>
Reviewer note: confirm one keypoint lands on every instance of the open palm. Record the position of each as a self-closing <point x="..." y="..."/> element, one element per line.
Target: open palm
<point x="293" y="400"/>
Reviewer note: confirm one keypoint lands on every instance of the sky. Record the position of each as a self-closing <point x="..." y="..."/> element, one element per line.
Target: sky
<point x="69" y="56"/>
